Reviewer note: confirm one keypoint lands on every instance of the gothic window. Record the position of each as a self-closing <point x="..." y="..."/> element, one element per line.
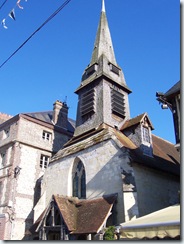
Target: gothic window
<point x="79" y="180"/>
<point x="118" y="103"/>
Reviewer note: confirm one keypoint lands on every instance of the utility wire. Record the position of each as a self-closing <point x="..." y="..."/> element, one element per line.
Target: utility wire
<point x="3" y="4"/>
<point x="51" y="17"/>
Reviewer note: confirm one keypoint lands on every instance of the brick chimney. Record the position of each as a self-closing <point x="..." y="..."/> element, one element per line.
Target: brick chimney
<point x="60" y="114"/>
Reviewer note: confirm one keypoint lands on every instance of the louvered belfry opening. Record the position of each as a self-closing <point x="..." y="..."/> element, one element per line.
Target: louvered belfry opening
<point x="118" y="103"/>
<point x="88" y="103"/>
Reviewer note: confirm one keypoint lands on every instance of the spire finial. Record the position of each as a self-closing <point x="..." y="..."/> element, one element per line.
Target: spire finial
<point x="103" y="6"/>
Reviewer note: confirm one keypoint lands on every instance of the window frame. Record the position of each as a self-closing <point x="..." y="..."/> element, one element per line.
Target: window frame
<point x="44" y="161"/>
<point x="146" y="134"/>
<point x="2" y="159"/>
<point x="79" y="180"/>
<point x="46" y="136"/>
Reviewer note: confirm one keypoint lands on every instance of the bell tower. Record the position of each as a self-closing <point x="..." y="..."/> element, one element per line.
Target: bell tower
<point x="103" y="93"/>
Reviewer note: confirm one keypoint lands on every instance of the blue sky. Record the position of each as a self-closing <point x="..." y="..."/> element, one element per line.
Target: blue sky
<point x="146" y="40"/>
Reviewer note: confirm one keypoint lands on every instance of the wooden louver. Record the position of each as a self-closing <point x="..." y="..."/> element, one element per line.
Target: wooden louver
<point x="87" y="102"/>
<point x="118" y="103"/>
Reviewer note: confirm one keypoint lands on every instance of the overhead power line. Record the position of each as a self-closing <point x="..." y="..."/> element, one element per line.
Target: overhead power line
<point x="3" y="4"/>
<point x="51" y="17"/>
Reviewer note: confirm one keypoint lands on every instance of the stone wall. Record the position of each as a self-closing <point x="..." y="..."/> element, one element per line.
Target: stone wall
<point x="102" y="164"/>
<point x="23" y="145"/>
<point x="155" y="190"/>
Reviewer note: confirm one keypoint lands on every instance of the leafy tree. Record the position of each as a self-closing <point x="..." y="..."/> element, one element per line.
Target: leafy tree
<point x="109" y="233"/>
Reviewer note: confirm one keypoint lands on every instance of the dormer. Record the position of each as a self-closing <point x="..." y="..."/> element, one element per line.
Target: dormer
<point x="138" y="130"/>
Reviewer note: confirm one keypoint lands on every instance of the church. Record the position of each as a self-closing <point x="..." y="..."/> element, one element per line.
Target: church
<point x="113" y="169"/>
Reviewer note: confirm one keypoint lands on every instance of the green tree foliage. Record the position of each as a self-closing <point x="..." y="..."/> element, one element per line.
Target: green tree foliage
<point x="109" y="233"/>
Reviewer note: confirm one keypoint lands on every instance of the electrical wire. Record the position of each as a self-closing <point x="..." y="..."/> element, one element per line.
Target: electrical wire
<point x="3" y="4"/>
<point x="51" y="17"/>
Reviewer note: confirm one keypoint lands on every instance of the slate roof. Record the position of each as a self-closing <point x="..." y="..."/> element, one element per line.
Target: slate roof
<point x="82" y="215"/>
<point x="47" y="116"/>
<point x="173" y="90"/>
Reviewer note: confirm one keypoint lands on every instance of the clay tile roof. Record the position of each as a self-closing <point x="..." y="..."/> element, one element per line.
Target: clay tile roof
<point x="134" y="121"/>
<point x="82" y="216"/>
<point x="165" y="150"/>
<point x="67" y="207"/>
<point x="165" y="156"/>
<point x="93" y="213"/>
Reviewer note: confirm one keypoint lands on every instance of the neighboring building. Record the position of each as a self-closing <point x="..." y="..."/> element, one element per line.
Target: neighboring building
<point x="113" y="169"/>
<point x="27" y="142"/>
<point x="171" y="100"/>
<point x="4" y="117"/>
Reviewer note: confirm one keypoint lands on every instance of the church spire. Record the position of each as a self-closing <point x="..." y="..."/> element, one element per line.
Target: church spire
<point x="103" y="42"/>
<point x="103" y="93"/>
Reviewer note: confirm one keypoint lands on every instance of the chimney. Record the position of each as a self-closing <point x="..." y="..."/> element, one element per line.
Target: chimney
<point x="60" y="114"/>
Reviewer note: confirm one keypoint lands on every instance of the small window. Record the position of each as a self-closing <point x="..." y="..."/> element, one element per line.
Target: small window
<point x="2" y="159"/>
<point x="114" y="69"/>
<point x="91" y="69"/>
<point x="46" y="135"/>
<point x="44" y="161"/>
<point x="146" y="134"/>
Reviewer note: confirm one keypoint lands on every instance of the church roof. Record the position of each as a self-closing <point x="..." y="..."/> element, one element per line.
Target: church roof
<point x="165" y="156"/>
<point x="93" y="137"/>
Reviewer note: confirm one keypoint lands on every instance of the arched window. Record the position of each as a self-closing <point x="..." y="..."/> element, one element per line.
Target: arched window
<point x="79" y="180"/>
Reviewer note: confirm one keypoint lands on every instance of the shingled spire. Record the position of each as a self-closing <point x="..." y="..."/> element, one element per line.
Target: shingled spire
<point x="103" y="93"/>
<point x="103" y="42"/>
